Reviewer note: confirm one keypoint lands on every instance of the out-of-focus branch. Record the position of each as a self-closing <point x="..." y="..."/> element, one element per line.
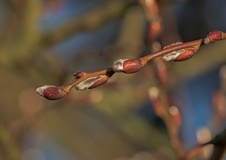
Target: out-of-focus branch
<point x="192" y="152"/>
<point x="218" y="153"/>
<point x="91" y="20"/>
<point x="169" y="115"/>
<point x="219" y="143"/>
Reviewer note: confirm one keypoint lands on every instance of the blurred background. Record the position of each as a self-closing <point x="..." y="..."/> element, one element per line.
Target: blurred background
<point x="158" y="113"/>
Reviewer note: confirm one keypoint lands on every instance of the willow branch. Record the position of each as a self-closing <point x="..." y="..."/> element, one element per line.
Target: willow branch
<point x="194" y="151"/>
<point x="219" y="143"/>
<point x="87" y="80"/>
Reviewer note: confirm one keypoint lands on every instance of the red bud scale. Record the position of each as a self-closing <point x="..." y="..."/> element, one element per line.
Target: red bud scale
<point x="51" y="92"/>
<point x="127" y="65"/>
<point x="91" y="82"/>
<point x="214" y="36"/>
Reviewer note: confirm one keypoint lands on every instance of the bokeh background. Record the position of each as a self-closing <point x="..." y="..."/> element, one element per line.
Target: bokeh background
<point x="46" y="41"/>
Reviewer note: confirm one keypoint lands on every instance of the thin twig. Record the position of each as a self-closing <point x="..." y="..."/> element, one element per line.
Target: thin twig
<point x="86" y="80"/>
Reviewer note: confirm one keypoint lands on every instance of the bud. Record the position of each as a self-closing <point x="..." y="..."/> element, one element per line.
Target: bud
<point x="51" y="92"/>
<point x="175" y="116"/>
<point x="180" y="55"/>
<point x="158" y="107"/>
<point x="213" y="36"/>
<point x="118" y="65"/>
<point x="92" y="82"/>
<point x="185" y="54"/>
<point x="153" y="93"/>
<point x="172" y="55"/>
<point x="79" y="74"/>
<point x="132" y="66"/>
<point x="127" y="65"/>
<point x="99" y="82"/>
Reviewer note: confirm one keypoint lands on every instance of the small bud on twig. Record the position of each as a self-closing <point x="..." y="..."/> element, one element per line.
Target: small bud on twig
<point x="185" y="54"/>
<point x="181" y="54"/>
<point x="91" y="82"/>
<point x="127" y="65"/>
<point x="118" y="65"/>
<point x="99" y="82"/>
<point x="214" y="36"/>
<point x="175" y="116"/>
<point x="79" y="74"/>
<point x="51" y="92"/>
<point x="132" y="66"/>
<point x="172" y="55"/>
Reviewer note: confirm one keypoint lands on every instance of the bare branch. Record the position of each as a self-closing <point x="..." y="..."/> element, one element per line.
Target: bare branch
<point x="183" y="52"/>
<point x="219" y="143"/>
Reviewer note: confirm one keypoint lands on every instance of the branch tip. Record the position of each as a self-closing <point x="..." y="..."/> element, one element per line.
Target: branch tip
<point x="51" y="92"/>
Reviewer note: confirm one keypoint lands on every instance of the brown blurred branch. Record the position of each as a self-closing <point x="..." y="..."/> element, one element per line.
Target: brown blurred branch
<point x="169" y="115"/>
<point x="219" y="143"/>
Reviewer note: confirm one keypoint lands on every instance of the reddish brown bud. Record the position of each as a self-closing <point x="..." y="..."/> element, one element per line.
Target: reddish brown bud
<point x="175" y="116"/>
<point x="51" y="92"/>
<point x="172" y="55"/>
<point x="99" y="82"/>
<point x="185" y="54"/>
<point x="127" y="65"/>
<point x="180" y="55"/>
<point x="213" y="36"/>
<point x="158" y="108"/>
<point x="132" y="66"/>
<point x="91" y="82"/>
<point x="79" y="74"/>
